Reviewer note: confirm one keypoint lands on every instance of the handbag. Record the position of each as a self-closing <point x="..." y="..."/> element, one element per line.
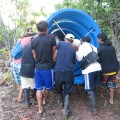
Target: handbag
<point x="89" y="59"/>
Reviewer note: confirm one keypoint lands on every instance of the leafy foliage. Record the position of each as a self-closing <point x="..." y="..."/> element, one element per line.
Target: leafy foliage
<point x="19" y="18"/>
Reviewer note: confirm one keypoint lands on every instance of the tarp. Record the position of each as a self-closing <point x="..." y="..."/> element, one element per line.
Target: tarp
<point x="77" y="23"/>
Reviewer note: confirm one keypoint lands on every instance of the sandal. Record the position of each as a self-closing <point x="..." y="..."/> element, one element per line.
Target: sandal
<point x="42" y="114"/>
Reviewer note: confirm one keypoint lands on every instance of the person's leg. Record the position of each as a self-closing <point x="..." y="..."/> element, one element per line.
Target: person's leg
<point x="97" y="82"/>
<point x="111" y="100"/>
<point x="20" y="94"/>
<point x="40" y="100"/>
<point x="47" y="77"/>
<point x="59" y="77"/>
<point x="66" y="105"/>
<point x="92" y="100"/>
<point x="112" y="85"/>
<point x="89" y="87"/>
<point x="32" y="89"/>
<point x="103" y="84"/>
<point x="18" y="80"/>
<point x="68" y="89"/>
<point x="101" y="91"/>
<point x="27" y="84"/>
<point x="46" y="93"/>
<point x="27" y="97"/>
<point x="39" y="87"/>
<point x="34" y="93"/>
<point x="13" y="74"/>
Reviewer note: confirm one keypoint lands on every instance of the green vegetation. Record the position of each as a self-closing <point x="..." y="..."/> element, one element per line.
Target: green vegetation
<point x="105" y="12"/>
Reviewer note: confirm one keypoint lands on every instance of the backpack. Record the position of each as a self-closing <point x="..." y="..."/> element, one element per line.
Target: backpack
<point x="17" y="51"/>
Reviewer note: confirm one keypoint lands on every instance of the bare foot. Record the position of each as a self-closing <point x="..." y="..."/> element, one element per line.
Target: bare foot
<point x="19" y="100"/>
<point x="111" y="102"/>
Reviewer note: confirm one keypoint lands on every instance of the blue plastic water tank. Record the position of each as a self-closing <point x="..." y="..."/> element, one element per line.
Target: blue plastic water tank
<point x="77" y="23"/>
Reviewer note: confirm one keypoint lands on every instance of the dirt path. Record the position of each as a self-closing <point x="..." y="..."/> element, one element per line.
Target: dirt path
<point x="79" y="106"/>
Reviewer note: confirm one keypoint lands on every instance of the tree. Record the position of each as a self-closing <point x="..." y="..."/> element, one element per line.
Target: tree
<point x="19" y="17"/>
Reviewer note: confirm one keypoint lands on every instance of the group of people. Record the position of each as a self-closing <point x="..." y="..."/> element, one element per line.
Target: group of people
<point x="46" y="63"/>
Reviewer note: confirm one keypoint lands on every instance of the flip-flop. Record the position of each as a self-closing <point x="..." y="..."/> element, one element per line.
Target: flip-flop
<point x="41" y="114"/>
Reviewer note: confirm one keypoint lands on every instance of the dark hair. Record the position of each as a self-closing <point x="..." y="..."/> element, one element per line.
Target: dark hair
<point x="102" y="36"/>
<point x="42" y="26"/>
<point x="86" y="39"/>
<point x="29" y="29"/>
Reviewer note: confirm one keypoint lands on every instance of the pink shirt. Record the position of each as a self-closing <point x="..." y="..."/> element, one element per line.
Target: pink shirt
<point x="24" y="42"/>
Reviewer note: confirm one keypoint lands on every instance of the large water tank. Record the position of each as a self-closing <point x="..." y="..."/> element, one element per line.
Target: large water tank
<point x="79" y="24"/>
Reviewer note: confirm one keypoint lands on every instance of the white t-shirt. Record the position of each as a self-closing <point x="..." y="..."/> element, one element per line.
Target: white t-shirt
<point x="84" y="50"/>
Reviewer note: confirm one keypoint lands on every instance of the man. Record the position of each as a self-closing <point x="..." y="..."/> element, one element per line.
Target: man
<point x="16" y="65"/>
<point x="43" y="47"/>
<point x="65" y="61"/>
<point x="109" y="64"/>
<point x="91" y="72"/>
<point x="27" y="73"/>
<point x="29" y="32"/>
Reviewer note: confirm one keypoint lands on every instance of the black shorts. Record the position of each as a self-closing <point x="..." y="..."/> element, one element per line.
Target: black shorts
<point x="64" y="81"/>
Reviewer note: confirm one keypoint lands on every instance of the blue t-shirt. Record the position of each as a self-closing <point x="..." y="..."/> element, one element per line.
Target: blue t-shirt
<point x="66" y="57"/>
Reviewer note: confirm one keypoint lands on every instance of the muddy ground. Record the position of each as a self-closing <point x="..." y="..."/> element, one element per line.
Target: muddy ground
<point x="10" y="109"/>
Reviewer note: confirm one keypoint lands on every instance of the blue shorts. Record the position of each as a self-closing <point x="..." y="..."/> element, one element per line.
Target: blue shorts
<point x="92" y="80"/>
<point x="43" y="78"/>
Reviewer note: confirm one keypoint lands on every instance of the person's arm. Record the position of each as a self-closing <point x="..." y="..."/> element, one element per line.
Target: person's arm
<point x="79" y="54"/>
<point x="55" y="55"/>
<point x="75" y="60"/>
<point x="54" y="48"/>
<point x="33" y="50"/>
<point x="34" y="54"/>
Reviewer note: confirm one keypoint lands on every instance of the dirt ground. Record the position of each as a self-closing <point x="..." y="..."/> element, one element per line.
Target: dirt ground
<point x="10" y="109"/>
